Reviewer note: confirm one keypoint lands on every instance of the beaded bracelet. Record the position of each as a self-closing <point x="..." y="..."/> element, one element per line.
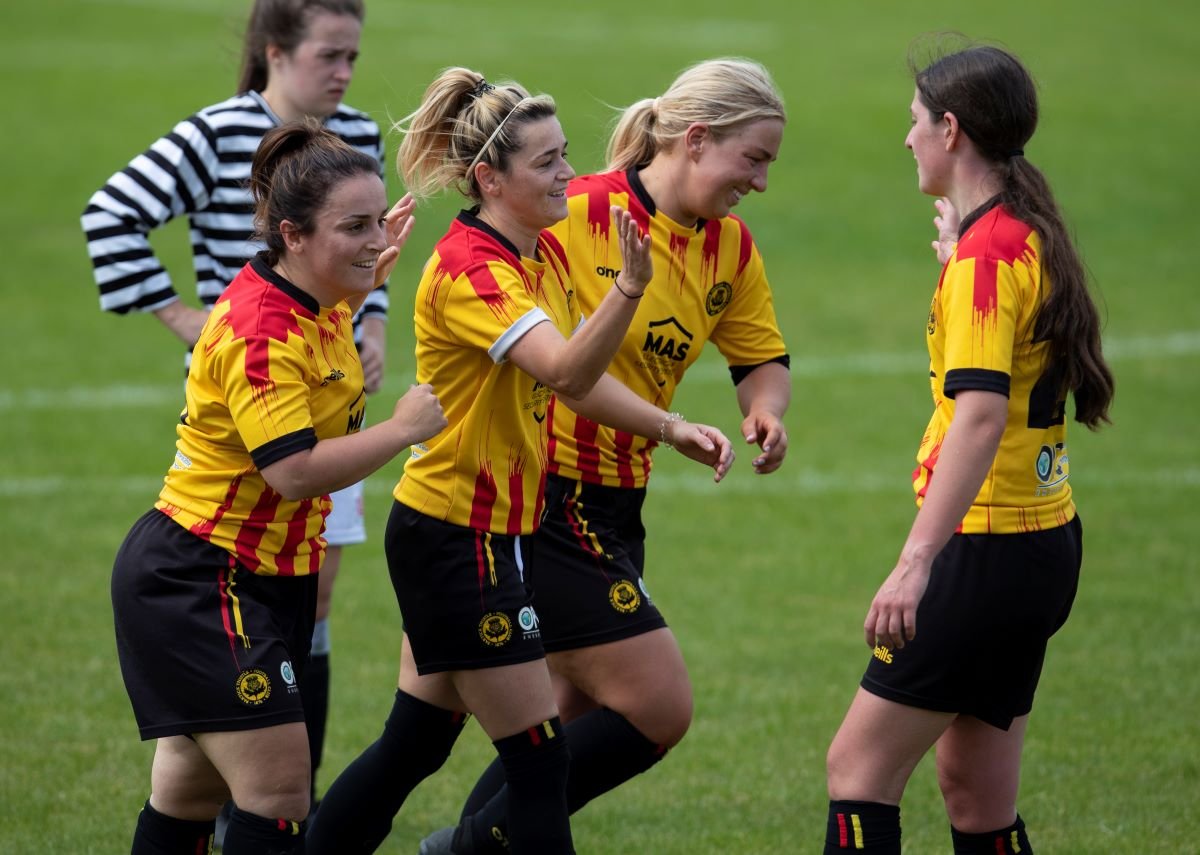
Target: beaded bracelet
<point x="662" y="428"/>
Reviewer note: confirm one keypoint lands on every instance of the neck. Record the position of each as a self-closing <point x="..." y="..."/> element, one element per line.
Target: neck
<point x="281" y="107"/>
<point x="662" y="180"/>
<point x="973" y="189"/>
<point x="524" y="239"/>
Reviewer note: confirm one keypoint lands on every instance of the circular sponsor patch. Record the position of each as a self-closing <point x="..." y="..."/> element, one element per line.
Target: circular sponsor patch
<point x="718" y="298"/>
<point x="1045" y="463"/>
<point x="495" y="629"/>
<point x="624" y="597"/>
<point x="253" y="687"/>
<point x="527" y="618"/>
<point x="287" y="673"/>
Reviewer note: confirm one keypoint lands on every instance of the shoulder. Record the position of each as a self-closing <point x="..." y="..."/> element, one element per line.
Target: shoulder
<point x="600" y="183"/>
<point x="354" y="126"/>
<point x="998" y="236"/>
<point x="467" y="251"/>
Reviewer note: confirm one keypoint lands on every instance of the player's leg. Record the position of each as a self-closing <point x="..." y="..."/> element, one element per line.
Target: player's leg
<point x="186" y="793"/>
<point x="979" y="769"/>
<point x="868" y="765"/>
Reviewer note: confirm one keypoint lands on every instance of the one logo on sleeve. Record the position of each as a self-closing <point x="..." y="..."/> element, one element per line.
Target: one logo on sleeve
<point x="718" y="298"/>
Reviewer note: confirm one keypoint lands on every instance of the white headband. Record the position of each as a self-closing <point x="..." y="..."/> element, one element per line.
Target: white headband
<point x="496" y="133"/>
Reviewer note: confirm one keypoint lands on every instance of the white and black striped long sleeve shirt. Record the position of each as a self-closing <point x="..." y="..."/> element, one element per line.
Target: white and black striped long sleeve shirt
<point x="202" y="169"/>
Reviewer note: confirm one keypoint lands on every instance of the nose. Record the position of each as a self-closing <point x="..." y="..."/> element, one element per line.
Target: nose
<point x="343" y="70"/>
<point x="759" y="181"/>
<point x="908" y="140"/>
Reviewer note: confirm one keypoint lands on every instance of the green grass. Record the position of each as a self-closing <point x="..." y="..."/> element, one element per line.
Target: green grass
<point x="765" y="581"/>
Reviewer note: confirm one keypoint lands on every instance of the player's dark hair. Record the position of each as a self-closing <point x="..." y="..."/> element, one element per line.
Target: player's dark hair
<point x="994" y="99"/>
<point x="283" y="23"/>
<point x="295" y="168"/>
<point x="463" y="121"/>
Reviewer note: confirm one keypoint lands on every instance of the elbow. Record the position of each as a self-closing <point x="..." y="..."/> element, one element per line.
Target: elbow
<point x="573" y="388"/>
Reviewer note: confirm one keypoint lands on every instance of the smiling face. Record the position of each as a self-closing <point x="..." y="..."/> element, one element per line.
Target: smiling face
<point x="336" y="260"/>
<point x="927" y="141"/>
<point x="531" y="193"/>
<point x="728" y="168"/>
<point x="311" y="79"/>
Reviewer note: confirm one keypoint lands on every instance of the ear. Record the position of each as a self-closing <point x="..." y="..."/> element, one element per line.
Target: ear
<point x="952" y="133"/>
<point x="695" y="138"/>
<point x="487" y="178"/>
<point x="292" y="239"/>
<point x="274" y="54"/>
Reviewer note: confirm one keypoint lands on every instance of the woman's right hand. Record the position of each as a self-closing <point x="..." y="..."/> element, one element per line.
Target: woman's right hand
<point x="419" y="413"/>
<point x="946" y="223"/>
<point x="636" y="267"/>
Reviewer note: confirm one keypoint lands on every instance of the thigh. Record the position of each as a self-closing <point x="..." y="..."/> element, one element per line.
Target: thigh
<point x="877" y="747"/>
<point x="588" y="566"/>
<point x="462" y="594"/>
<point x="183" y="781"/>
<point x="267" y="769"/>
<point x="644" y="678"/>
<point x="507" y="699"/>
<point x="979" y="769"/>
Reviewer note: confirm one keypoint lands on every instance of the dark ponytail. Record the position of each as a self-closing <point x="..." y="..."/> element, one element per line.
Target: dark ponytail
<point x="994" y="99"/>
<point x="294" y="169"/>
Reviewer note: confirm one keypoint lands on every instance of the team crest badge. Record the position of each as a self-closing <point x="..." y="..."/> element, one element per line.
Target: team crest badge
<point x="624" y="597"/>
<point x="253" y="687"/>
<point x="495" y="629"/>
<point x="718" y="298"/>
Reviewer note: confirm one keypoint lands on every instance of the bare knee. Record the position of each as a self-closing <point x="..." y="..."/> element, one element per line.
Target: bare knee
<point x="663" y="718"/>
<point x="290" y="800"/>
<point x="973" y="806"/>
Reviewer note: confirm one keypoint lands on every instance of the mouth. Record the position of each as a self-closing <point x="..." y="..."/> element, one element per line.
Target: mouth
<point x="738" y="195"/>
<point x="364" y="265"/>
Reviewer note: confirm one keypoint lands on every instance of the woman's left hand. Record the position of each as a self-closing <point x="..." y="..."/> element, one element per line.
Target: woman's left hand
<point x="398" y="223"/>
<point x="892" y="619"/>
<point x="702" y="443"/>
<point x="766" y="429"/>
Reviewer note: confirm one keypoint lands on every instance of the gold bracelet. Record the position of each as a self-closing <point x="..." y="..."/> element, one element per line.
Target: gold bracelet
<point x="662" y="428"/>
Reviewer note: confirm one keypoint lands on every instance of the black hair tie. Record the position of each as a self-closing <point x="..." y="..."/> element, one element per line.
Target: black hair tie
<point x="481" y="88"/>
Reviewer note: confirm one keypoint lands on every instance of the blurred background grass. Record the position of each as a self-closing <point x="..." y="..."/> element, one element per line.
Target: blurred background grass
<point x="765" y="581"/>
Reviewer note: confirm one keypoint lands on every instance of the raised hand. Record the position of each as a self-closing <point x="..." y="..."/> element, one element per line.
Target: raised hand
<point x="399" y="223"/>
<point x="946" y="223"/>
<point x="636" y="267"/>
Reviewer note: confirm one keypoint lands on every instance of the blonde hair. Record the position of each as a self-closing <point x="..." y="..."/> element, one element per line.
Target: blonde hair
<point x="721" y="93"/>
<point x="463" y="120"/>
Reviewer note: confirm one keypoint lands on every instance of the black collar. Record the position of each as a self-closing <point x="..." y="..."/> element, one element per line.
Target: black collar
<point x="305" y="299"/>
<point x="470" y="217"/>
<point x="643" y="196"/>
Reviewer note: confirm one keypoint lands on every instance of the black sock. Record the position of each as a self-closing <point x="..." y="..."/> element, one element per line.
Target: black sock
<point x="606" y="751"/>
<point x="159" y="834"/>
<point x="535" y="766"/>
<point x="488" y="785"/>
<point x="868" y="827"/>
<point x="1005" y="841"/>
<point x="314" y="696"/>
<point x="250" y="834"/>
<point x="358" y="808"/>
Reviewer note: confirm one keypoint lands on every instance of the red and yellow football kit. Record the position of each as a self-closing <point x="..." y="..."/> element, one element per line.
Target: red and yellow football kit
<point x="980" y="336"/>
<point x="477" y="297"/>
<point x="272" y="374"/>
<point x="709" y="285"/>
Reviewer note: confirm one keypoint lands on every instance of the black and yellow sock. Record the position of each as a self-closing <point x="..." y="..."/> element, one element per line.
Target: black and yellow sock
<point x="536" y="761"/>
<point x="606" y="751"/>
<point x="358" y="808"/>
<point x="250" y="834"/>
<point x="868" y="827"/>
<point x="159" y="834"/>
<point x="1004" y="841"/>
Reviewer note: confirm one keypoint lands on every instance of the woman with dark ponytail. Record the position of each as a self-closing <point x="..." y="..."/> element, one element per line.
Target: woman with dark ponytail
<point x="959" y="629"/>
<point x="214" y="590"/>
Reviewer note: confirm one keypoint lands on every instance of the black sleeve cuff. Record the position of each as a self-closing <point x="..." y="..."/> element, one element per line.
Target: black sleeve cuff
<point x="739" y="372"/>
<point x="967" y="379"/>
<point x="284" y="446"/>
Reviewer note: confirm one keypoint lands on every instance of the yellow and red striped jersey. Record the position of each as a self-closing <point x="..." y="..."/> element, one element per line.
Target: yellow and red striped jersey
<point x="477" y="297"/>
<point x="980" y="336"/>
<point x="272" y="373"/>
<point x="709" y="284"/>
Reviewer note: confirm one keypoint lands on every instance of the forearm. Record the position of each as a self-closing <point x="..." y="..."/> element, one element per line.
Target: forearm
<point x="586" y="355"/>
<point x="966" y="456"/>
<point x="611" y="403"/>
<point x="767" y="389"/>
<point x="336" y="463"/>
